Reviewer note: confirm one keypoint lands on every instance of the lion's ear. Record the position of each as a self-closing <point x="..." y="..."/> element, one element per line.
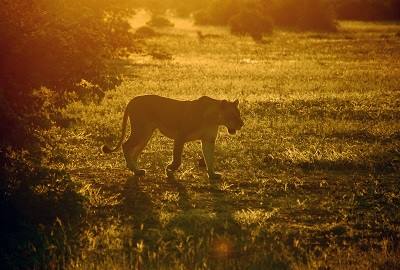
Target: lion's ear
<point x="236" y="102"/>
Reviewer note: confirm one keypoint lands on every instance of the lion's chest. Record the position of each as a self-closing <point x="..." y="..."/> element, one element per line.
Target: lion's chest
<point x="194" y="135"/>
<point x="185" y="133"/>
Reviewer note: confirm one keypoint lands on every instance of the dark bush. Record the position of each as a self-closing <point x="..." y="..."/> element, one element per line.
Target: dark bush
<point x="317" y="15"/>
<point x="57" y="45"/>
<point x="367" y="10"/>
<point x="48" y="48"/>
<point x="284" y="13"/>
<point x="41" y="214"/>
<point x="159" y="21"/>
<point x="202" y="17"/>
<point x="145" y="32"/>
<point x="218" y="12"/>
<point x="313" y="15"/>
<point x="250" y="22"/>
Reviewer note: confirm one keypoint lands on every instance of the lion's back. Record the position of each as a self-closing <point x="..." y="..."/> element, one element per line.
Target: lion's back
<point x="168" y="114"/>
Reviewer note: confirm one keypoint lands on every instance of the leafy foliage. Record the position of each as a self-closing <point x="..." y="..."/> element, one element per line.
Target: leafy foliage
<point x="57" y="44"/>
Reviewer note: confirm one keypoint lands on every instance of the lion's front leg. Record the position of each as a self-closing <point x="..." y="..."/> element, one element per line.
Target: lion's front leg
<point x="208" y="147"/>
<point x="177" y="158"/>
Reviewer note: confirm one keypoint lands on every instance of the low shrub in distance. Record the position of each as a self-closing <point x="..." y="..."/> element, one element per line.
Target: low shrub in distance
<point x="159" y="21"/>
<point x="145" y="32"/>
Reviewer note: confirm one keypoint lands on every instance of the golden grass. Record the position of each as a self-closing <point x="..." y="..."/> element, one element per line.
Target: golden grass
<point x="311" y="181"/>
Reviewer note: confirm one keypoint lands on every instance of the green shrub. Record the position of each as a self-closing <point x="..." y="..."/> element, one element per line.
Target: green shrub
<point x="250" y="22"/>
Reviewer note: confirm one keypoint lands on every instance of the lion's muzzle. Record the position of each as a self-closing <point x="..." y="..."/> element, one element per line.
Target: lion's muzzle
<point x="235" y="127"/>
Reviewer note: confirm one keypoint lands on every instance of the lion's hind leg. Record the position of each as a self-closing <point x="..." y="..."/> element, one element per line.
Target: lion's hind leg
<point x="202" y="163"/>
<point x="134" y="146"/>
<point x="177" y="158"/>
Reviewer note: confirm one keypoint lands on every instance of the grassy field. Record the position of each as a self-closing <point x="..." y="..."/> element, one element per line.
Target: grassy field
<point x="310" y="182"/>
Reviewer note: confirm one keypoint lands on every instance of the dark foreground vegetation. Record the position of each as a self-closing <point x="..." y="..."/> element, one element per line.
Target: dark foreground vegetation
<point x="311" y="182"/>
<point x="51" y="53"/>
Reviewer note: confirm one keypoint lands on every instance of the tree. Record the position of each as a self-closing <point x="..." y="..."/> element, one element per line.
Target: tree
<point x="48" y="48"/>
<point x="56" y="44"/>
<point x="251" y="22"/>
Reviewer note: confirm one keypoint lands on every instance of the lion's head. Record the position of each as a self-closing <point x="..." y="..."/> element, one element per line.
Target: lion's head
<point x="230" y="116"/>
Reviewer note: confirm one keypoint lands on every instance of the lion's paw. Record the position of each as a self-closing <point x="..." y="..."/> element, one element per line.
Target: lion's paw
<point x="214" y="176"/>
<point x="140" y="172"/>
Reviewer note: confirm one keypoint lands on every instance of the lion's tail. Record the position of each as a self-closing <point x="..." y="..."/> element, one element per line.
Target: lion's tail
<point x="105" y="148"/>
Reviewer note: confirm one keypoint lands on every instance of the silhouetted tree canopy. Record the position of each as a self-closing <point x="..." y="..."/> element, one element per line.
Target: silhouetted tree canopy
<point x="56" y="44"/>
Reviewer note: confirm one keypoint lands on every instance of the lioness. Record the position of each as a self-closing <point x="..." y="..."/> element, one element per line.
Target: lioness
<point x="182" y="121"/>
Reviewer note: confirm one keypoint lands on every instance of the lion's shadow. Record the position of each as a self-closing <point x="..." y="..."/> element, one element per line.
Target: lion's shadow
<point x="137" y="204"/>
<point x="139" y="207"/>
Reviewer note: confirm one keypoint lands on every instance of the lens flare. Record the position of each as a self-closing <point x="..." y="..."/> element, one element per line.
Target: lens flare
<point x="222" y="248"/>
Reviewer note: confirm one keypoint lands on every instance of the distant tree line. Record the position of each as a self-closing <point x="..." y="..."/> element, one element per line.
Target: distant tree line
<point x="256" y="17"/>
<point x="344" y="9"/>
<point x="367" y="9"/>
